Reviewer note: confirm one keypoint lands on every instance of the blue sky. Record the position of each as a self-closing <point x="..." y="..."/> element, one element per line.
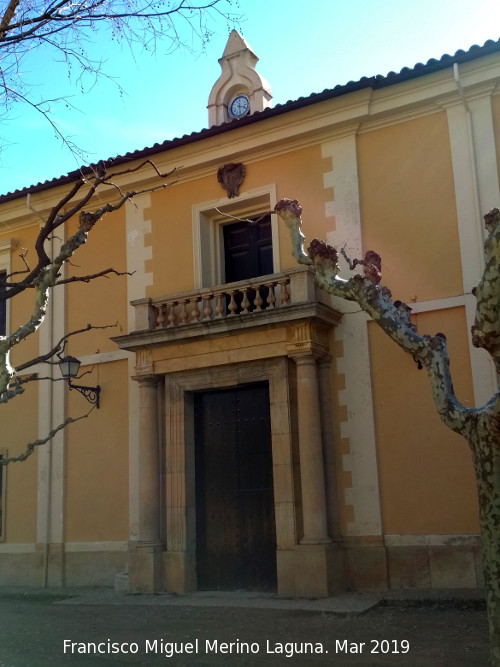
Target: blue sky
<point x="303" y="47"/>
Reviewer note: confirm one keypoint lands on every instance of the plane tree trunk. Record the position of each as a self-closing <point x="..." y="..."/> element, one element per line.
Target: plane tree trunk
<point x="479" y="426"/>
<point x="484" y="440"/>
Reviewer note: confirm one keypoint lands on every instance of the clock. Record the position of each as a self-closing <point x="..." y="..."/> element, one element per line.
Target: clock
<point x="239" y="106"/>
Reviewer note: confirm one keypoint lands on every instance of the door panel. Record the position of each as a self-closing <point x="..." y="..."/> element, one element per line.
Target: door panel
<point x="236" y="542"/>
<point x="248" y="253"/>
<point x="248" y="249"/>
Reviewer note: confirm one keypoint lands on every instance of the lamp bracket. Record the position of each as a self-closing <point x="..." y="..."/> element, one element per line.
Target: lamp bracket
<point x="90" y="393"/>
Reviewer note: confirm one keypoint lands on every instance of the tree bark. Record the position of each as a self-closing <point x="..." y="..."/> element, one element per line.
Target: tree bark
<point x="484" y="441"/>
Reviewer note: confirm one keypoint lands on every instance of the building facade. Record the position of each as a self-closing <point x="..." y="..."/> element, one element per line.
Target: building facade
<point x="253" y="431"/>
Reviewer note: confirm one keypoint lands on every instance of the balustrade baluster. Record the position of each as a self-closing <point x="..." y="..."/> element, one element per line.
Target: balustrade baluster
<point x="271" y="298"/>
<point x="245" y="303"/>
<point x="195" y="313"/>
<point x="219" y="308"/>
<point x="258" y="301"/>
<point x="207" y="310"/>
<point x="285" y="296"/>
<point x="171" y="314"/>
<point x="160" y="320"/>
<point x="183" y="312"/>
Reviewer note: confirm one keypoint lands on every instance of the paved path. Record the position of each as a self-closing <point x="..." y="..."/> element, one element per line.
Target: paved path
<point x="239" y="630"/>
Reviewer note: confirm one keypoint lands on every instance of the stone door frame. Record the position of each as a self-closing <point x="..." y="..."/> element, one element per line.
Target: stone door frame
<point x="162" y="555"/>
<point x="179" y="557"/>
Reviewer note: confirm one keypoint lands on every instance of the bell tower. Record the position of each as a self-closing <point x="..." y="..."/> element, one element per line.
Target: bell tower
<point x="239" y="90"/>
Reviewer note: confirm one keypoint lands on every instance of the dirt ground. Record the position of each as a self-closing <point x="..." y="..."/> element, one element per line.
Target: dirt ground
<point x="141" y="631"/>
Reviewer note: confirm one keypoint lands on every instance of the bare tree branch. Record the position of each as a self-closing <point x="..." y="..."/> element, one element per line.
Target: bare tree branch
<point x="69" y="206"/>
<point x="31" y="446"/>
<point x="47" y="272"/>
<point x="101" y="274"/>
<point x="7" y="17"/>
<point x="375" y="299"/>
<point x="60" y="345"/>
<point x="72" y="34"/>
<point x="252" y="221"/>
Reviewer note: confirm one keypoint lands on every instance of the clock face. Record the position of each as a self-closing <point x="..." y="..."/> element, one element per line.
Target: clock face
<point x="239" y="106"/>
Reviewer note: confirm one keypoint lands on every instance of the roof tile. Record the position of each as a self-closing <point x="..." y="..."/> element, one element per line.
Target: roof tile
<point x="377" y="81"/>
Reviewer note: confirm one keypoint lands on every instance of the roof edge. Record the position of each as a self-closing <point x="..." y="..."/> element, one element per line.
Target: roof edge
<point x="375" y="82"/>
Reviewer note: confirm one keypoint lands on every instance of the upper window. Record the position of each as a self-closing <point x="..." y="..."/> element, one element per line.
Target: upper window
<point x="248" y="249"/>
<point x="248" y="253"/>
<point x="235" y="239"/>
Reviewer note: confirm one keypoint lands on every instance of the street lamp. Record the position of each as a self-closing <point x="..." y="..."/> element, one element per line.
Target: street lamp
<point x="69" y="369"/>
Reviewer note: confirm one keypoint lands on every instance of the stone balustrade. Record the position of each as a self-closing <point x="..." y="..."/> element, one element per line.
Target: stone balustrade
<point x="241" y="298"/>
<point x="245" y="299"/>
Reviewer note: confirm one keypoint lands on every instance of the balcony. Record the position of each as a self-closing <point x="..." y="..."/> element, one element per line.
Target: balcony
<point x="264" y="301"/>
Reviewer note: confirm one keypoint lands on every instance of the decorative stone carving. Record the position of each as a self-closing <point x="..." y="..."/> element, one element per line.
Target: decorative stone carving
<point x="231" y="176"/>
<point x="143" y="362"/>
<point x="307" y="338"/>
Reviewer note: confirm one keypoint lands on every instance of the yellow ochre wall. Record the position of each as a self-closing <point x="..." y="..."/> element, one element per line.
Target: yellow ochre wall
<point x="425" y="470"/>
<point x="19" y="424"/>
<point x="96" y="499"/>
<point x="103" y="302"/>
<point x="19" y="417"/>
<point x="408" y="207"/>
<point x="97" y="462"/>
<point x="409" y="217"/>
<point x="404" y="204"/>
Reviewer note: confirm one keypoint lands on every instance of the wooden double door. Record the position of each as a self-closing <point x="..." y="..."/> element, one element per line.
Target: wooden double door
<point x="235" y="525"/>
<point x="248" y="253"/>
<point x="248" y="249"/>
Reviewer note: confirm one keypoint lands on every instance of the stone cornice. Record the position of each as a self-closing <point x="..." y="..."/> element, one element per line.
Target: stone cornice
<point x="6" y="245"/>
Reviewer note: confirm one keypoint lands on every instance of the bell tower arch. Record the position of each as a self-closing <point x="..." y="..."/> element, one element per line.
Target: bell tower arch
<point x="239" y="90"/>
